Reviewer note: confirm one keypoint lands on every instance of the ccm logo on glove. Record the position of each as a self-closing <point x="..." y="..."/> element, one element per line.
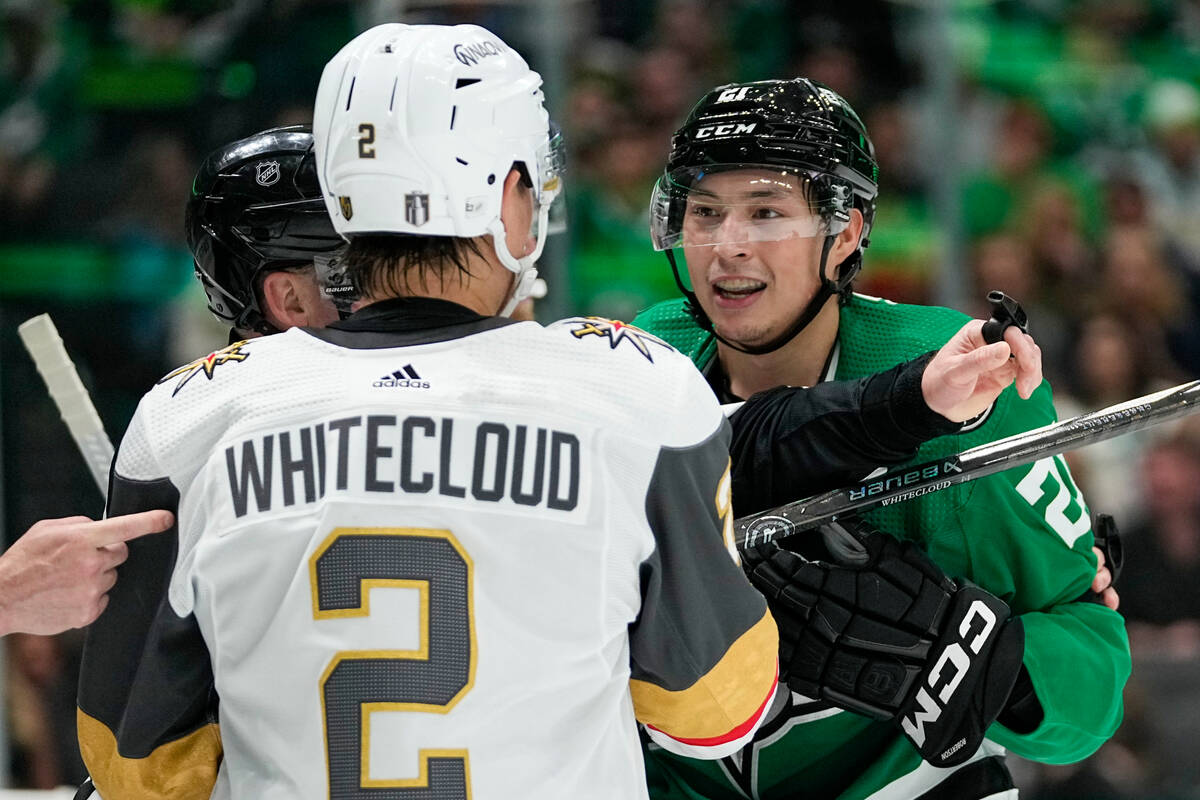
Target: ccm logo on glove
<point x="929" y="709"/>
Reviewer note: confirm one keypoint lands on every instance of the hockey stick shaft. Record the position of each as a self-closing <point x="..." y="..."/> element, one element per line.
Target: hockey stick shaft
<point x="74" y="404"/>
<point x="907" y="483"/>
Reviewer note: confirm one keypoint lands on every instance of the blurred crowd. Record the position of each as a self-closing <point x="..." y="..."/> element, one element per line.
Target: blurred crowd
<point x="1076" y="166"/>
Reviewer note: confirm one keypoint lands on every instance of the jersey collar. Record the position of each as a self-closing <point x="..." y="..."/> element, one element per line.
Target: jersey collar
<point x="402" y="321"/>
<point x="718" y="379"/>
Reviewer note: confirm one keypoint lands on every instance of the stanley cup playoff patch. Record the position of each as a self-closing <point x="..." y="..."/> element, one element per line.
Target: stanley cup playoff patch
<point x="416" y="208"/>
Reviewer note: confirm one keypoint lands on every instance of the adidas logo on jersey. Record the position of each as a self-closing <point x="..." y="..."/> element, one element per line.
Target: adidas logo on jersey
<point x="404" y="378"/>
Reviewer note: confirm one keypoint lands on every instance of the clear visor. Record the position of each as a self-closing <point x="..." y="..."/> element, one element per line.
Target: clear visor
<point x="333" y="280"/>
<point x="556" y="215"/>
<point x="547" y="184"/>
<point x="732" y="204"/>
<point x="549" y="194"/>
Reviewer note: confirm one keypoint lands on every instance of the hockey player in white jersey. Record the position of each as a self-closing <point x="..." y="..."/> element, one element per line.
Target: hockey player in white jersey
<point x="426" y="552"/>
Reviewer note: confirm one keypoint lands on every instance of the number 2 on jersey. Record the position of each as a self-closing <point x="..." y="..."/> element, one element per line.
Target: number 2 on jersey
<point x="1050" y="477"/>
<point x="431" y="679"/>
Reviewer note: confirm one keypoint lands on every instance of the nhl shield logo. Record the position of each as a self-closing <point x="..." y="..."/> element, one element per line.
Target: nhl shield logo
<point x="416" y="208"/>
<point x="347" y="209"/>
<point x="266" y="173"/>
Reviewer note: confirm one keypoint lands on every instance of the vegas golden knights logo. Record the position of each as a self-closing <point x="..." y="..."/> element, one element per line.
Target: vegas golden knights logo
<point x="616" y="332"/>
<point x="416" y="208"/>
<point x="232" y="354"/>
<point x="347" y="209"/>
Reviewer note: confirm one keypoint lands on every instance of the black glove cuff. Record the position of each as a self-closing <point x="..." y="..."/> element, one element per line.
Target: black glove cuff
<point x="894" y="407"/>
<point x="1023" y="713"/>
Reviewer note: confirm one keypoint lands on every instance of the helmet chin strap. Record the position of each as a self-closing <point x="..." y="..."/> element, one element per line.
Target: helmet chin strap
<point x="522" y="288"/>
<point x="523" y="269"/>
<point x="827" y="290"/>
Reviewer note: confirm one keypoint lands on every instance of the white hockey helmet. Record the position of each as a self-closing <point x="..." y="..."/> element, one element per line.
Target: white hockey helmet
<point x="416" y="128"/>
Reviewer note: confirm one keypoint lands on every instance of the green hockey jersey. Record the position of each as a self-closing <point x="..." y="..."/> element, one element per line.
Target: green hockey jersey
<point x="1023" y="534"/>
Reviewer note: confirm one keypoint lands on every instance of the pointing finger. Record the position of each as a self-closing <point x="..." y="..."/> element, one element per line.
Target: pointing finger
<point x="130" y="526"/>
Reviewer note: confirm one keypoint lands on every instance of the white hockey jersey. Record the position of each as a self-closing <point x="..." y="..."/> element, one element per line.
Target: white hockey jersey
<point x="424" y="554"/>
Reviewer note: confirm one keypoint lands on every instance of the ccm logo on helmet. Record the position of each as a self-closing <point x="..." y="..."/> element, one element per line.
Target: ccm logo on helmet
<point x="728" y="129"/>
<point x="953" y="656"/>
<point x="472" y="54"/>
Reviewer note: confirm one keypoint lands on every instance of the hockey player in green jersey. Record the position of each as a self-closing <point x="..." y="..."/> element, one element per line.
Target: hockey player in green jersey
<point x="769" y="194"/>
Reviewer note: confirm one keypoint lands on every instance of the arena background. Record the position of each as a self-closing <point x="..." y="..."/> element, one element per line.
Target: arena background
<point x="1050" y="148"/>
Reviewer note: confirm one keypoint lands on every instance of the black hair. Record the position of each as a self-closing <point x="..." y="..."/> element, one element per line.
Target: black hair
<point x="389" y="265"/>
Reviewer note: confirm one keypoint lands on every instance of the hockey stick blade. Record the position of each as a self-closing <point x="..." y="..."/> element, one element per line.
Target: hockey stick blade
<point x="74" y="404"/>
<point x="907" y="483"/>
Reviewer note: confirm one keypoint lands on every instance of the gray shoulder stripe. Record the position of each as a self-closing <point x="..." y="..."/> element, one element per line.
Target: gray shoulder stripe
<point x="695" y="600"/>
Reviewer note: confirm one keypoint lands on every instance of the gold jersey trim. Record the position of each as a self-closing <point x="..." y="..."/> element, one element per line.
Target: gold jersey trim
<point x="725" y="697"/>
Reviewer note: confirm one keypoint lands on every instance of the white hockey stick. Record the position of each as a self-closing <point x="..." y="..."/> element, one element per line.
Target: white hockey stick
<point x="74" y="403"/>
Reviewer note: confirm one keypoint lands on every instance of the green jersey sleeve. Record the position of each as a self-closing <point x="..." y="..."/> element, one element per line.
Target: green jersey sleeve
<point x="1023" y="534"/>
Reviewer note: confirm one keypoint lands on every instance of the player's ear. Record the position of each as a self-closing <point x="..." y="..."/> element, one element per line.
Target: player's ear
<point x="516" y="212"/>
<point x="284" y="301"/>
<point x="510" y="198"/>
<point x="847" y="240"/>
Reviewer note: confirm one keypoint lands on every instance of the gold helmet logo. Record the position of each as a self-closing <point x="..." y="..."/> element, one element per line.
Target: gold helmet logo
<point x="347" y="209"/>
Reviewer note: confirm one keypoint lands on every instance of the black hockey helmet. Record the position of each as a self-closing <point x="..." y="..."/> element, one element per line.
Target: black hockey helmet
<point x="798" y="127"/>
<point x="256" y="207"/>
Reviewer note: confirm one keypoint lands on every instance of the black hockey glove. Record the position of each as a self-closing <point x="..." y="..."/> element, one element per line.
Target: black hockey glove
<point x="872" y="625"/>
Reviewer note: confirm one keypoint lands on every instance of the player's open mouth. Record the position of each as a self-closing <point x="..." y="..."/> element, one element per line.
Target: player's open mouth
<point x="733" y="290"/>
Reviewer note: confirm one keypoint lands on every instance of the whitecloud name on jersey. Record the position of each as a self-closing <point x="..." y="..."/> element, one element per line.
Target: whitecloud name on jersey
<point x="385" y="453"/>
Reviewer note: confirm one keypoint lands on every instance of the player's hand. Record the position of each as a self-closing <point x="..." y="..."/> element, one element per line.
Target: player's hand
<point x="879" y="629"/>
<point x="968" y="374"/>
<point x="58" y="574"/>
<point x="1102" y="583"/>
